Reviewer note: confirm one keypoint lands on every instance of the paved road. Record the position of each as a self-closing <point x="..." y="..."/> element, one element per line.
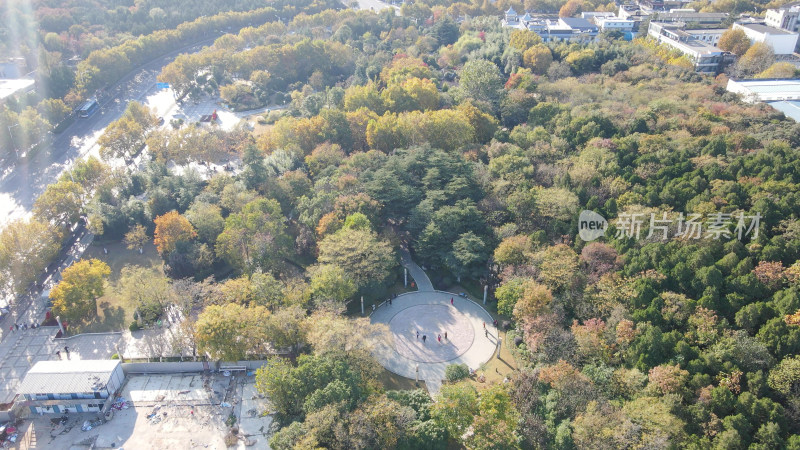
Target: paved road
<point x="22" y="183"/>
<point x="416" y="272"/>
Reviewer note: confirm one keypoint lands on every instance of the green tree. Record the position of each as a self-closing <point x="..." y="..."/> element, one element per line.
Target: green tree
<point x="74" y="297"/>
<point x="456" y="372"/>
<point x="481" y="80"/>
<point x="316" y="380"/>
<point x="26" y="248"/>
<point x="455" y="407"/>
<point x="785" y="377"/>
<point x="60" y="204"/>
<point x="496" y="422"/>
<point x="508" y="294"/>
<point x="468" y="256"/>
<point x="231" y="332"/>
<point x="147" y="289"/>
<point x="330" y="283"/>
<point x="254" y="238"/>
<point x="285" y="328"/>
<point x="367" y="259"/>
<point x="136" y="237"/>
<point x="207" y="220"/>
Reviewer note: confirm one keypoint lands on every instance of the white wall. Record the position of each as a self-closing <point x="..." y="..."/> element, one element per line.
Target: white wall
<point x="781" y="44"/>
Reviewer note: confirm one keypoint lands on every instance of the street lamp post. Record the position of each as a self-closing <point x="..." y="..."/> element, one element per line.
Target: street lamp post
<point x="16" y="150"/>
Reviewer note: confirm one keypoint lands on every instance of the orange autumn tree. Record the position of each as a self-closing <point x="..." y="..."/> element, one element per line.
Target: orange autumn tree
<point x="172" y="228"/>
<point x="793" y="319"/>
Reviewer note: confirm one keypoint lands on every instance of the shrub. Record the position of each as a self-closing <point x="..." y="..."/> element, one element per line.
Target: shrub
<point x="134" y="326"/>
<point x="455" y="372"/>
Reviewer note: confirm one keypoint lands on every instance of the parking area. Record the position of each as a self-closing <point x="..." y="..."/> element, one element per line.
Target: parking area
<point x="162" y="411"/>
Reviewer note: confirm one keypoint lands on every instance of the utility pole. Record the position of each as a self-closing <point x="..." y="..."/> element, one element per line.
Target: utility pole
<point x="16" y="150"/>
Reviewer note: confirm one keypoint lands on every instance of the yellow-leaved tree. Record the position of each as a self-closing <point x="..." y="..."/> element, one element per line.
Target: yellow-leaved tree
<point x="74" y="297"/>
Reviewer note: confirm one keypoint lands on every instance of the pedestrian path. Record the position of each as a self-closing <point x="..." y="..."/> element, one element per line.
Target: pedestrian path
<point x="416" y="272"/>
<point x="472" y="338"/>
<point x="19" y="352"/>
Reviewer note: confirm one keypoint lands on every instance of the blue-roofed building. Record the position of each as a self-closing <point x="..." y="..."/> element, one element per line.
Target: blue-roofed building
<point x="790" y="108"/>
<point x="764" y="90"/>
<point x="783" y="95"/>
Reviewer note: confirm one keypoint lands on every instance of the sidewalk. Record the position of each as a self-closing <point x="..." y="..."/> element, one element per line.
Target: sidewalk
<point x="416" y="272"/>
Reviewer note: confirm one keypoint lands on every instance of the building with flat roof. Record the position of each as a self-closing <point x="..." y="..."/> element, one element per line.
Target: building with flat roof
<point x="753" y="91"/>
<point x="781" y="41"/>
<point x="628" y="27"/>
<point x="693" y="17"/>
<point x="789" y="108"/>
<point x="787" y="17"/>
<point x="553" y="28"/>
<point x="70" y="386"/>
<point x="9" y="88"/>
<point x="589" y="15"/>
<point x="698" y="45"/>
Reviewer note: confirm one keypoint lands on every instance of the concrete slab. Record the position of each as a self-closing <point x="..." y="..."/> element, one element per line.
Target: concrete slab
<point x="175" y="389"/>
<point x="474" y="336"/>
<point x="252" y="422"/>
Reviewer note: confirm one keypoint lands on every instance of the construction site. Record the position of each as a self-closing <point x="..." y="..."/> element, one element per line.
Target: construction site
<point x="209" y="410"/>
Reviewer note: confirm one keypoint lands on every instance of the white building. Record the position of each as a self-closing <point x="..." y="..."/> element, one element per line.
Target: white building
<point x="698" y="45"/>
<point x="615" y="23"/>
<point x="70" y="386"/>
<point x="10" y="88"/>
<point x="787" y="17"/>
<point x="782" y="42"/>
<point x="589" y="15"/>
<point x="552" y="28"/>
<point x="753" y="91"/>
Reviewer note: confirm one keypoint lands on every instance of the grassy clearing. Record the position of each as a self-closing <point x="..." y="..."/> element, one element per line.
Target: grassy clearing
<point x="392" y="381"/>
<point x="498" y="368"/>
<point x="113" y="312"/>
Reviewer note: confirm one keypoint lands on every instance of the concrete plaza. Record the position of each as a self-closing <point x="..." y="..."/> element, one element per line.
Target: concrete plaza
<point x="430" y="313"/>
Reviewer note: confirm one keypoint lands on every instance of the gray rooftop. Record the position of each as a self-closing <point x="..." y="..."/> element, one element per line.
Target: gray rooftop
<point x="578" y="23"/>
<point x="761" y="28"/>
<point x="790" y="108"/>
<point x="767" y="86"/>
<point x="67" y="377"/>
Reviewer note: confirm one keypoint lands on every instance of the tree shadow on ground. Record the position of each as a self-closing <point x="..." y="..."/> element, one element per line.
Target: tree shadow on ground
<point x="109" y="318"/>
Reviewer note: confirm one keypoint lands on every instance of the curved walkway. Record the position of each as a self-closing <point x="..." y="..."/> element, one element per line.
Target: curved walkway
<point x="431" y="314"/>
<point x="416" y="272"/>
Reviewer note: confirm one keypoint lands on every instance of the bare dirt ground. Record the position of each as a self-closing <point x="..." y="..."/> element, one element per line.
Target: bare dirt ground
<point x="180" y="411"/>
